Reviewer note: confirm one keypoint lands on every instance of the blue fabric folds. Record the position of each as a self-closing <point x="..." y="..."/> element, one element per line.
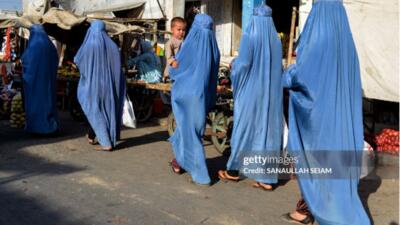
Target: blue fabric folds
<point x="325" y="115"/>
<point x="40" y="63"/>
<point x="256" y="77"/>
<point x="101" y="88"/>
<point x="149" y="65"/>
<point x="193" y="95"/>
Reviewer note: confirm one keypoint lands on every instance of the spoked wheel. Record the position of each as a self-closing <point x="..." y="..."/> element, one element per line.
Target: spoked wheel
<point x="171" y="124"/>
<point x="222" y="127"/>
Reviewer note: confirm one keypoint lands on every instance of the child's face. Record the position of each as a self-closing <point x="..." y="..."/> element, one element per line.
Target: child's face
<point x="179" y="30"/>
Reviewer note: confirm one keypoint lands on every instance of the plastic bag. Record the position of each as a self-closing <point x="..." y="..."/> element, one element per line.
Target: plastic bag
<point x="128" y="116"/>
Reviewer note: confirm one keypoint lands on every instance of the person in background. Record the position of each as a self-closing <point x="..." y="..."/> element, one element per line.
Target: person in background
<point x="193" y="95"/>
<point x="325" y="119"/>
<point x="149" y="65"/>
<point x="258" y="96"/>
<point x="40" y="64"/>
<point x="101" y="89"/>
<point x="173" y="45"/>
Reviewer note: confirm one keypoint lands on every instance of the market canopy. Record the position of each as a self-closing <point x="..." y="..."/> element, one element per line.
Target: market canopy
<point x="143" y="9"/>
<point x="66" y="21"/>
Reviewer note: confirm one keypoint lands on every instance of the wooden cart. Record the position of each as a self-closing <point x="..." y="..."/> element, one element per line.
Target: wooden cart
<point x="219" y="120"/>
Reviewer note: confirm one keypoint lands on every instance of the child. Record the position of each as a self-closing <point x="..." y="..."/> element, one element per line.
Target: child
<point x="178" y="28"/>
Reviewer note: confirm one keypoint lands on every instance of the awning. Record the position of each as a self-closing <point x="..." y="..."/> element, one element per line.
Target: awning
<point x="66" y="20"/>
<point x="152" y="9"/>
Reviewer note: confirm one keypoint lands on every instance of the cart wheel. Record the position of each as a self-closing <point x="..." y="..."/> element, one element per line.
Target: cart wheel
<point x="171" y="124"/>
<point x="222" y="123"/>
<point x="143" y="106"/>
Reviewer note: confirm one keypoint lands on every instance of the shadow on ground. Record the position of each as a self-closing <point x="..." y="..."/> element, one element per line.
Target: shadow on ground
<point x="19" y="209"/>
<point x="142" y="140"/>
<point x="367" y="186"/>
<point x="16" y="165"/>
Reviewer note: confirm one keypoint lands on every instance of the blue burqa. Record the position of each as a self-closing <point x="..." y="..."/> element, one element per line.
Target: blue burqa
<point x="325" y="115"/>
<point x="256" y="77"/>
<point x="101" y="88"/>
<point x="40" y="63"/>
<point x="148" y="63"/>
<point x="193" y="95"/>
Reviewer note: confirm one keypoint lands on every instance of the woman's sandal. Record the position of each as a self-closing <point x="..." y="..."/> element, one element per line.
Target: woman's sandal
<point x="309" y="220"/>
<point x="102" y="148"/>
<point x="91" y="141"/>
<point x="224" y="176"/>
<point x="175" y="167"/>
<point x="265" y="187"/>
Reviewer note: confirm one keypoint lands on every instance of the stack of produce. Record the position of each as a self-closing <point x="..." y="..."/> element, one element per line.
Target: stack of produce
<point x="17" y="118"/>
<point x="69" y="70"/>
<point x="6" y="107"/>
<point x="388" y="141"/>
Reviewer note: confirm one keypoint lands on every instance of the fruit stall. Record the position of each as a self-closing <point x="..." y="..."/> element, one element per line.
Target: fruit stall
<point x="10" y="72"/>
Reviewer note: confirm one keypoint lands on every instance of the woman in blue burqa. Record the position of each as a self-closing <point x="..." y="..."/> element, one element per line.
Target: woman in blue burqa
<point x="325" y="119"/>
<point x="101" y="88"/>
<point x="193" y="96"/>
<point x="40" y="63"/>
<point x="148" y="63"/>
<point x="258" y="117"/>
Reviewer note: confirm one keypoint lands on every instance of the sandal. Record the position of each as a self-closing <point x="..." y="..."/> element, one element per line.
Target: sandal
<point x="91" y="141"/>
<point x="176" y="168"/>
<point x="224" y="176"/>
<point x="309" y="220"/>
<point x="263" y="186"/>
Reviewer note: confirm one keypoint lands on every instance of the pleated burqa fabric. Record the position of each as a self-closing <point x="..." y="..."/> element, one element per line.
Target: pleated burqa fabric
<point x="101" y="89"/>
<point x="40" y="63"/>
<point x="193" y="96"/>
<point x="256" y="77"/>
<point x="325" y="115"/>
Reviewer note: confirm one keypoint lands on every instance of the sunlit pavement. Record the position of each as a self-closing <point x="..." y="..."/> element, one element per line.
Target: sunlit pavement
<point x="62" y="180"/>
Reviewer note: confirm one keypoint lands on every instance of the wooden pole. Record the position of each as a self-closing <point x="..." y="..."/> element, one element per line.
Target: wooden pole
<point x="62" y="54"/>
<point x="155" y="28"/>
<point x="291" y="39"/>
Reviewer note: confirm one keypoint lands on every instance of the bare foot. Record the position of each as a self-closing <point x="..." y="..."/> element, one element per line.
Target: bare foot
<point x="266" y="187"/>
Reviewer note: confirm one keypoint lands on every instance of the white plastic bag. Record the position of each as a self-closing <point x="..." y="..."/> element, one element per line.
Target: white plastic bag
<point x="128" y="116"/>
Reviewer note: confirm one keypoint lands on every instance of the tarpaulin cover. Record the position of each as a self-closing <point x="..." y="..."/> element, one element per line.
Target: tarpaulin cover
<point x="375" y="26"/>
<point x="40" y="63"/>
<point x="193" y="95"/>
<point x="256" y="76"/>
<point x="325" y="116"/>
<point x="101" y="88"/>
<point x="152" y="9"/>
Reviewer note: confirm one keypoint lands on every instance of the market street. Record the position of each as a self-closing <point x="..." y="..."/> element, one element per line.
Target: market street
<point x="59" y="181"/>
